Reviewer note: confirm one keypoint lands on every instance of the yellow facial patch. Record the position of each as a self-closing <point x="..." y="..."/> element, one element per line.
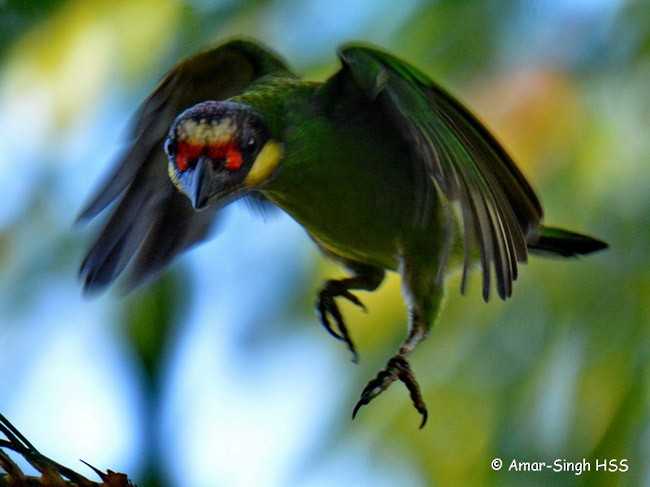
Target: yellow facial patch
<point x="173" y="177"/>
<point x="265" y="164"/>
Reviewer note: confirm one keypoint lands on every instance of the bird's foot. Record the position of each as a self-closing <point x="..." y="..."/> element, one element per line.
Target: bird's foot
<point x="396" y="368"/>
<point x="327" y="307"/>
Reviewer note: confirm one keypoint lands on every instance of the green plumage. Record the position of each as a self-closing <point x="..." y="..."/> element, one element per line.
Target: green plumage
<point x="328" y="156"/>
<point x="382" y="167"/>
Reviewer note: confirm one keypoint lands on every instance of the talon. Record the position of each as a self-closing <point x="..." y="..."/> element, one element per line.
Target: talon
<point x="396" y="368"/>
<point x="408" y="378"/>
<point x="323" y="309"/>
<point x="333" y="310"/>
<point x="354" y="300"/>
<point x="361" y="402"/>
<point x="365" y="277"/>
<point x="327" y="306"/>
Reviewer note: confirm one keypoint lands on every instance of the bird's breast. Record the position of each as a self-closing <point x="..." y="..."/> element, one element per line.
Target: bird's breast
<point x="350" y="186"/>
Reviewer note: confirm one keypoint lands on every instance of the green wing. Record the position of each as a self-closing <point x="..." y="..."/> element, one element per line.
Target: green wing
<point x="500" y="212"/>
<point x="152" y="219"/>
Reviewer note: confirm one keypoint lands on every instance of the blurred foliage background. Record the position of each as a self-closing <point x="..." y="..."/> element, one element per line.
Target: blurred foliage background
<point x="218" y="373"/>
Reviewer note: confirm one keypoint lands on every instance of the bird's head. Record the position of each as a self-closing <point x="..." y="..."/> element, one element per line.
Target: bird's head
<point x="217" y="149"/>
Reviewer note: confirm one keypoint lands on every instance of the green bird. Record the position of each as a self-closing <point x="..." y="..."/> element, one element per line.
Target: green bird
<point x="383" y="168"/>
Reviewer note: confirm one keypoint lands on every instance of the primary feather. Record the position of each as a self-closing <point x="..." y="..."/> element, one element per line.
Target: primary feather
<point x="151" y="218"/>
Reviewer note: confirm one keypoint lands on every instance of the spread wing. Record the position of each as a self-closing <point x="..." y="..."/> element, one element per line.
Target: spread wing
<point x="452" y="149"/>
<point x="152" y="220"/>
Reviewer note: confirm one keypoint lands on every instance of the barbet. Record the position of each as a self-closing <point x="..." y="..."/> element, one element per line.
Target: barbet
<point x="383" y="168"/>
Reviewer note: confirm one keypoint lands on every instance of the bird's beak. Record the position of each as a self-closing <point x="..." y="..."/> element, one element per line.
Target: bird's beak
<point x="210" y="183"/>
<point x="201" y="185"/>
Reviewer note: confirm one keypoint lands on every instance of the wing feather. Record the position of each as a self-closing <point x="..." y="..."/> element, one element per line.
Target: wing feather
<point x="151" y="220"/>
<point x="499" y="210"/>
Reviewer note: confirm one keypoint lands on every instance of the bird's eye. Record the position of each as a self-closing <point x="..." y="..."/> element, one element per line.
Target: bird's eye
<point x="169" y="147"/>
<point x="251" y="143"/>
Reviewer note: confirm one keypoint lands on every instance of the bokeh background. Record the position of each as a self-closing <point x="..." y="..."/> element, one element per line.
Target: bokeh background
<point x="219" y="373"/>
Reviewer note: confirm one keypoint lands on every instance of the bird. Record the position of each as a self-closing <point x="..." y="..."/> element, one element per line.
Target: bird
<point x="384" y="169"/>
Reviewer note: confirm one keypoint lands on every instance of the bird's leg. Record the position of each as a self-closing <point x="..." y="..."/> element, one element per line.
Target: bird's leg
<point x="365" y="277"/>
<point x="424" y="305"/>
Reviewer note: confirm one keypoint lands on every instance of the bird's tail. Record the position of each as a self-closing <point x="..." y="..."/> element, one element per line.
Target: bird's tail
<point x="555" y="241"/>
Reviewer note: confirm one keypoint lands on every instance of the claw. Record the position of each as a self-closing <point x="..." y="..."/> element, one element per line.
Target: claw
<point x="323" y="310"/>
<point x="354" y="300"/>
<point x="396" y="368"/>
<point x="327" y="306"/>
<point x="408" y="378"/>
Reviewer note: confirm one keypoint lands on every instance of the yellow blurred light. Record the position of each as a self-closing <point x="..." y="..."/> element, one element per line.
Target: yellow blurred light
<point x="70" y="60"/>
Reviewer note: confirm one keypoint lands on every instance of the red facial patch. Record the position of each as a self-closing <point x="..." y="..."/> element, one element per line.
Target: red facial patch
<point x="189" y="154"/>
